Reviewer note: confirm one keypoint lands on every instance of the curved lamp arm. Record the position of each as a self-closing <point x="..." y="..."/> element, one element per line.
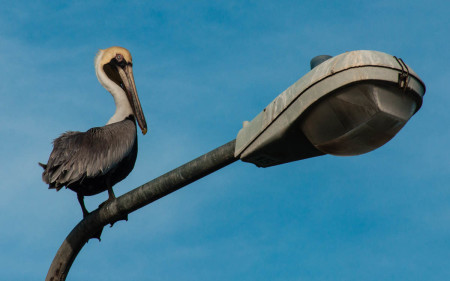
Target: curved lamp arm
<point x="135" y="199"/>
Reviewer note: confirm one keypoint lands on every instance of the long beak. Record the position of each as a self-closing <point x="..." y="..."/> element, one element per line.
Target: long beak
<point x="128" y="81"/>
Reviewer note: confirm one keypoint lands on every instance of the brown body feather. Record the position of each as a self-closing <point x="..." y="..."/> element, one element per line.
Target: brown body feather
<point x="93" y="161"/>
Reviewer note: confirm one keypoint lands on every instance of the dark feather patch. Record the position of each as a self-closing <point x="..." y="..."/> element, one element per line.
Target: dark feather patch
<point x="83" y="160"/>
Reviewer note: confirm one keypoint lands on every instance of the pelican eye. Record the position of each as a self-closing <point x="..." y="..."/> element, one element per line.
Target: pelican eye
<point x="119" y="60"/>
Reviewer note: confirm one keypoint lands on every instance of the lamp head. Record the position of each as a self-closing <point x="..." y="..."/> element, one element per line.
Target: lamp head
<point x="346" y="105"/>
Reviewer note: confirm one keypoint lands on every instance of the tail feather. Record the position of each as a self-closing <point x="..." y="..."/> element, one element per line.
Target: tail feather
<point x="46" y="179"/>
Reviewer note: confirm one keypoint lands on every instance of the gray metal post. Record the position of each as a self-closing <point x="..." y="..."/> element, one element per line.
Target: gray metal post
<point x="133" y="200"/>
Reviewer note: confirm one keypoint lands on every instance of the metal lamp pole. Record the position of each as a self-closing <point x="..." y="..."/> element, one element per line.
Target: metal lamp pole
<point x="133" y="200"/>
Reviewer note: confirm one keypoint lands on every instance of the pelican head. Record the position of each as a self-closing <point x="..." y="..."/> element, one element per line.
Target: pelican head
<point x="113" y="67"/>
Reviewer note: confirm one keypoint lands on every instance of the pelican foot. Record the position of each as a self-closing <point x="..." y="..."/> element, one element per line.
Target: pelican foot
<point x="121" y="217"/>
<point x="105" y="203"/>
<point x="97" y="235"/>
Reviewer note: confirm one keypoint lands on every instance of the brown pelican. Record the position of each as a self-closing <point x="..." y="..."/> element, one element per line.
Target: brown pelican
<point x="93" y="161"/>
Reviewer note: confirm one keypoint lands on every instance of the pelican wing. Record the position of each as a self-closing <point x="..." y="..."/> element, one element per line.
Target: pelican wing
<point x="79" y="155"/>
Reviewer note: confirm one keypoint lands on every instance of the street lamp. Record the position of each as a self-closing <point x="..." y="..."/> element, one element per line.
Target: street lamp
<point x="347" y="105"/>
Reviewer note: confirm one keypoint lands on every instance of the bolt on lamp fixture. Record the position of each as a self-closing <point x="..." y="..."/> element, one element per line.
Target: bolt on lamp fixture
<point x="346" y="105"/>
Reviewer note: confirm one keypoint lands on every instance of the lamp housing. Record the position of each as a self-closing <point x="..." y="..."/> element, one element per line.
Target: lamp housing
<point x="346" y="105"/>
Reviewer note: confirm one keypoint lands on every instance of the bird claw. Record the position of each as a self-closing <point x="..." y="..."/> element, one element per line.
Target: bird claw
<point x="104" y="203"/>
<point x="97" y="235"/>
<point x="120" y="218"/>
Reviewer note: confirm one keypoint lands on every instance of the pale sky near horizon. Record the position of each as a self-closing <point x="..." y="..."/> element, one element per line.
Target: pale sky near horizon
<point x="201" y="69"/>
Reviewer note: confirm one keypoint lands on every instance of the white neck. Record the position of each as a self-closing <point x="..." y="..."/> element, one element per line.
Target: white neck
<point x="123" y="107"/>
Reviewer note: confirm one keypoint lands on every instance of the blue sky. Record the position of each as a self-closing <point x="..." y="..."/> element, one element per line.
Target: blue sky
<point x="201" y="68"/>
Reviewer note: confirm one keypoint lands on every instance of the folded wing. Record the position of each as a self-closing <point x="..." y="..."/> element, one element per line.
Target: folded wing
<point x="80" y="155"/>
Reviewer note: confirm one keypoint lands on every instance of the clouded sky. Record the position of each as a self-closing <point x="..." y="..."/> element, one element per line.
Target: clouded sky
<point x="201" y="69"/>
